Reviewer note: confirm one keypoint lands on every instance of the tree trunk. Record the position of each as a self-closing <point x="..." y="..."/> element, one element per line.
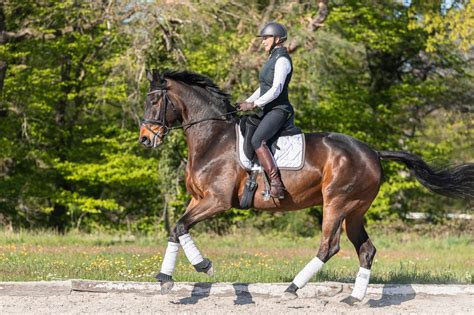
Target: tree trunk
<point x="58" y="218"/>
<point x="3" y="63"/>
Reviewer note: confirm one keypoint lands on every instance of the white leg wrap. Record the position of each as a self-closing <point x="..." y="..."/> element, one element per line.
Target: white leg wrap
<point x="361" y="283"/>
<point x="303" y="277"/>
<point x="169" y="261"/>
<point x="190" y="249"/>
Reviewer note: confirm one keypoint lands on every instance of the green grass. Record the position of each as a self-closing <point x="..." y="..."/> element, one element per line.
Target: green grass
<point x="241" y="257"/>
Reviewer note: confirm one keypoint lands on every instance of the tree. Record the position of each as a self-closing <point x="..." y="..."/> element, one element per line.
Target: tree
<point x="72" y="89"/>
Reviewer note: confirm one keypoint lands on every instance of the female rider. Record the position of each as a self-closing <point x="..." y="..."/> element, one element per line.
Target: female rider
<point x="272" y="99"/>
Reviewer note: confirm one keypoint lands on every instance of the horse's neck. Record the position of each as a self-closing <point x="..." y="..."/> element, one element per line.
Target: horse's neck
<point x="208" y="136"/>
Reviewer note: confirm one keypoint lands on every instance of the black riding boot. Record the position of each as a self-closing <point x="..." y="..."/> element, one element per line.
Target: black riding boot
<point x="267" y="161"/>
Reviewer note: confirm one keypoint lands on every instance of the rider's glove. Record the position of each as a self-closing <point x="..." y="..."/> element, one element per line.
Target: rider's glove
<point x="245" y="106"/>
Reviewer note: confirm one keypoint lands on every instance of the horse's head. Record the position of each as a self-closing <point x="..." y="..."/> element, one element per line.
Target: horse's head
<point x="184" y="96"/>
<point x="160" y="112"/>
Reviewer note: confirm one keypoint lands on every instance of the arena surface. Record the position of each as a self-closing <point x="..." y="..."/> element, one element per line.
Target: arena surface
<point x="82" y="296"/>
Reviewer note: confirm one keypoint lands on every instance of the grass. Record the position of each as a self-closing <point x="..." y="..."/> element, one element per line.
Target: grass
<point x="241" y="257"/>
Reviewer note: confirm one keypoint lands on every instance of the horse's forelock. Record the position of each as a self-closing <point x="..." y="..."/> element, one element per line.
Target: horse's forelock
<point x="158" y="81"/>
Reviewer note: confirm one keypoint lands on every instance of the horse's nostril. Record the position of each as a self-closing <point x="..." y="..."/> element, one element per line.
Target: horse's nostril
<point x="143" y="139"/>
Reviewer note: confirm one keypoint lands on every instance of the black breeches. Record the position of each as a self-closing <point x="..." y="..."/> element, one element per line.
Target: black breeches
<point x="269" y="126"/>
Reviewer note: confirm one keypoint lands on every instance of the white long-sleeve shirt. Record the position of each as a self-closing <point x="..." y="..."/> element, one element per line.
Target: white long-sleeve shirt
<point x="282" y="69"/>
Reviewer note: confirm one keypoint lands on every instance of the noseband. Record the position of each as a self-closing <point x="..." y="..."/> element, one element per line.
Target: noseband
<point x="161" y="120"/>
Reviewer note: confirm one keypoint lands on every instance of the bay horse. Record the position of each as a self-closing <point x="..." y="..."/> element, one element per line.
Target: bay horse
<point x="340" y="173"/>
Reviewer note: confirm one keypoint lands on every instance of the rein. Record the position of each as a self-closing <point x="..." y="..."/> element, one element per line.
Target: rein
<point x="163" y="123"/>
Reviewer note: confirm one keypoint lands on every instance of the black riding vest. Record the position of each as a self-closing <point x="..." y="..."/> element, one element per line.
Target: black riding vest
<point x="266" y="81"/>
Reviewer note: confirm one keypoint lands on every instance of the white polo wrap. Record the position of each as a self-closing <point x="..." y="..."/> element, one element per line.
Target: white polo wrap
<point x="169" y="261"/>
<point x="190" y="249"/>
<point x="303" y="277"/>
<point x="361" y="283"/>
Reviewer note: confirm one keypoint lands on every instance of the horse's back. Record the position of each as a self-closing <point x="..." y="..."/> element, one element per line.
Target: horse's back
<point x="337" y="150"/>
<point x="339" y="142"/>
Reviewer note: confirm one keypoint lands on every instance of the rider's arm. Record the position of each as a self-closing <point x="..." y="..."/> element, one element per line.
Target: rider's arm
<point x="254" y="96"/>
<point x="282" y="69"/>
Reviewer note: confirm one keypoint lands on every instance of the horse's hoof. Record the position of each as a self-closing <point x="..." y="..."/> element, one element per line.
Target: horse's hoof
<point x="350" y="300"/>
<point x="166" y="287"/>
<point x="210" y="272"/>
<point x="287" y="296"/>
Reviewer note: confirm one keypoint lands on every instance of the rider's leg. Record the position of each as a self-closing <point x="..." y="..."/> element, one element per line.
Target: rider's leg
<point x="266" y="130"/>
<point x="251" y="125"/>
<point x="269" y="126"/>
<point x="268" y="163"/>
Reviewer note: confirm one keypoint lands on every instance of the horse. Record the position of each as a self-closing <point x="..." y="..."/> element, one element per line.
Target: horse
<point x="340" y="173"/>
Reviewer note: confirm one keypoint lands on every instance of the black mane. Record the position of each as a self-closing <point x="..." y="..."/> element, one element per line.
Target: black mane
<point x="195" y="79"/>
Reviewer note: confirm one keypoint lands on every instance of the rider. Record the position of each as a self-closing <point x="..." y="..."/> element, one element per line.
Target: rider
<point x="272" y="99"/>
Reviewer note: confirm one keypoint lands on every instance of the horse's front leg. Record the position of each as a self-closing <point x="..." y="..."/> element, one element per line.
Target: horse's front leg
<point x="197" y="211"/>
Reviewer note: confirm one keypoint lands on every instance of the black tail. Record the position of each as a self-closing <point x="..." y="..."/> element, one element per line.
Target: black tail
<point x="456" y="181"/>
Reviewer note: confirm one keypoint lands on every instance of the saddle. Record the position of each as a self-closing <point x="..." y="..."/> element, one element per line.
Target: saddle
<point x="247" y="127"/>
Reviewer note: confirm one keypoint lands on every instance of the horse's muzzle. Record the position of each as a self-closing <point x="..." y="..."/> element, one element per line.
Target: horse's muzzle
<point x="145" y="141"/>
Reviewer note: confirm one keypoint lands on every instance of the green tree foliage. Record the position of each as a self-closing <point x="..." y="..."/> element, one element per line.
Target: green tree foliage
<point x="396" y="75"/>
<point x="64" y="135"/>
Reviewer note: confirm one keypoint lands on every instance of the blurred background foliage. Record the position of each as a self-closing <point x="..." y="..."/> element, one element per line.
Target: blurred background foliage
<point x="395" y="74"/>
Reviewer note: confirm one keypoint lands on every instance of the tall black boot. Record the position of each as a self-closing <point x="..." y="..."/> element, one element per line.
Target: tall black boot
<point x="267" y="161"/>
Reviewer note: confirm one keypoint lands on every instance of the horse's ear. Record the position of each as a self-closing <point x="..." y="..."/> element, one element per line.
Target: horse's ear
<point x="149" y="75"/>
<point x="159" y="78"/>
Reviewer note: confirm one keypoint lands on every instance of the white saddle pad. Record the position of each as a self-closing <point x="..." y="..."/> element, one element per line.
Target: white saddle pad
<point x="288" y="156"/>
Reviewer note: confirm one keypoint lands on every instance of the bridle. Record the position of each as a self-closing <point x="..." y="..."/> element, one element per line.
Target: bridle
<point x="161" y="119"/>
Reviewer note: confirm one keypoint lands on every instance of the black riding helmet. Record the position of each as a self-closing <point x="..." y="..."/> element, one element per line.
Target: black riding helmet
<point x="276" y="30"/>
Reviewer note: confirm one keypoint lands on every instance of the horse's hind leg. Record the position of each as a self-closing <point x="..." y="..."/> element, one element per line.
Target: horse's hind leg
<point x="331" y="232"/>
<point x="365" y="250"/>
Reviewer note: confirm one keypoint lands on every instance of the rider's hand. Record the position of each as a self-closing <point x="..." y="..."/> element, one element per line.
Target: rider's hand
<point x="245" y="106"/>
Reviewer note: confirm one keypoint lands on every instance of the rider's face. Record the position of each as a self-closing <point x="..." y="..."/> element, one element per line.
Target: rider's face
<point x="267" y="42"/>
